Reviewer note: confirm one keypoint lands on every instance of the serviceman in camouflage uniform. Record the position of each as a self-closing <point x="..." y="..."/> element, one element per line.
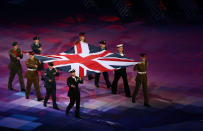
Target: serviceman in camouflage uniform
<point x="141" y="79"/>
<point x="32" y="76"/>
<point x="15" y="67"/>
<point x="37" y="49"/>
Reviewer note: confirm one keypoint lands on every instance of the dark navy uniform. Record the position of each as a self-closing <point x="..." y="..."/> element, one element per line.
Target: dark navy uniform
<point x="36" y="48"/>
<point x="106" y="77"/>
<point x="117" y="74"/>
<point x="74" y="94"/>
<point x="50" y="85"/>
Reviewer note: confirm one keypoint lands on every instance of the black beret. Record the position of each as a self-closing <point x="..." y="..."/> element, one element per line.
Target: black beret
<point x="50" y="64"/>
<point x="14" y="43"/>
<point x="142" y="54"/>
<point x="36" y="38"/>
<point x="102" y="42"/>
<point x="82" y="34"/>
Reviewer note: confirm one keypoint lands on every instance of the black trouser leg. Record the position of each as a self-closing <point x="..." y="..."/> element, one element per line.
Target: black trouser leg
<point x="137" y="87"/>
<point x="115" y="82"/>
<point x="77" y="111"/>
<point x="96" y="82"/>
<point x="106" y="77"/>
<point x="11" y="77"/>
<point x="48" y="92"/>
<point x="126" y="86"/>
<point x="90" y="77"/>
<point x="54" y="97"/>
<point x="20" y="76"/>
<point x="71" y="104"/>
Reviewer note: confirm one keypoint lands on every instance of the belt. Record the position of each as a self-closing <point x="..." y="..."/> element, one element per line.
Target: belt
<point x="141" y="73"/>
<point x="31" y="69"/>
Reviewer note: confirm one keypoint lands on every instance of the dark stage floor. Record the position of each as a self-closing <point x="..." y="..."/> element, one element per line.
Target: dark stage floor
<point x="175" y="55"/>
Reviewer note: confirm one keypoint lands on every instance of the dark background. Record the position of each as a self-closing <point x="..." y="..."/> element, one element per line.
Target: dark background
<point x="152" y="11"/>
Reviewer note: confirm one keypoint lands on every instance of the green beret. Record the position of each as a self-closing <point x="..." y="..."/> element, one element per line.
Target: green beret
<point x="14" y="43"/>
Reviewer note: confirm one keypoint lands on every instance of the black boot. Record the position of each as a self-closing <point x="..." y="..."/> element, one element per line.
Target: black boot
<point x="147" y="105"/>
<point x="23" y="90"/>
<point x="67" y="111"/>
<point x="78" y="116"/>
<point x="128" y="96"/>
<point x="10" y="88"/>
<point x="45" y="103"/>
<point x="55" y="107"/>
<point x="40" y="99"/>
<point x="97" y="85"/>
<point x="133" y="99"/>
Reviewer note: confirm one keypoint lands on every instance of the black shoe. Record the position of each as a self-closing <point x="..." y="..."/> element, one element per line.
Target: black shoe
<point x="108" y="87"/>
<point x="128" y="96"/>
<point x="45" y="104"/>
<point x="40" y="99"/>
<point x="133" y="99"/>
<point x="67" y="112"/>
<point x="42" y="78"/>
<point x="23" y="90"/>
<point x="114" y="92"/>
<point x="10" y="89"/>
<point x="56" y="107"/>
<point x="27" y="97"/>
<point x="78" y="116"/>
<point x="147" y="105"/>
<point x="97" y="85"/>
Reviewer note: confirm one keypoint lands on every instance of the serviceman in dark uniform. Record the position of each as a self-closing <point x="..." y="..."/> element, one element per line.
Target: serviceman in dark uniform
<point x="141" y="79"/>
<point x="15" y="67"/>
<point x="74" y="93"/>
<point x="121" y="73"/>
<point x="82" y="38"/>
<point x="37" y="49"/>
<point x="32" y="76"/>
<point x="36" y="46"/>
<point x="105" y="74"/>
<point x="50" y="85"/>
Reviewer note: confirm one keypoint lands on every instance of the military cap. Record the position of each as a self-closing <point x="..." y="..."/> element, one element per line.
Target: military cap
<point x="71" y="71"/>
<point x="14" y="43"/>
<point x="50" y="64"/>
<point x="102" y="42"/>
<point x="36" y="38"/>
<point x="82" y="34"/>
<point x="120" y="45"/>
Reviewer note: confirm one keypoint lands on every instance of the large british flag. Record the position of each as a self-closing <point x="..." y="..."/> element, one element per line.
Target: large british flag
<point x="87" y="59"/>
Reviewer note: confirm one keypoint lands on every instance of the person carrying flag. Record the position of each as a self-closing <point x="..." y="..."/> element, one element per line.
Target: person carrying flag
<point x="74" y="93"/>
<point x="15" y="66"/>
